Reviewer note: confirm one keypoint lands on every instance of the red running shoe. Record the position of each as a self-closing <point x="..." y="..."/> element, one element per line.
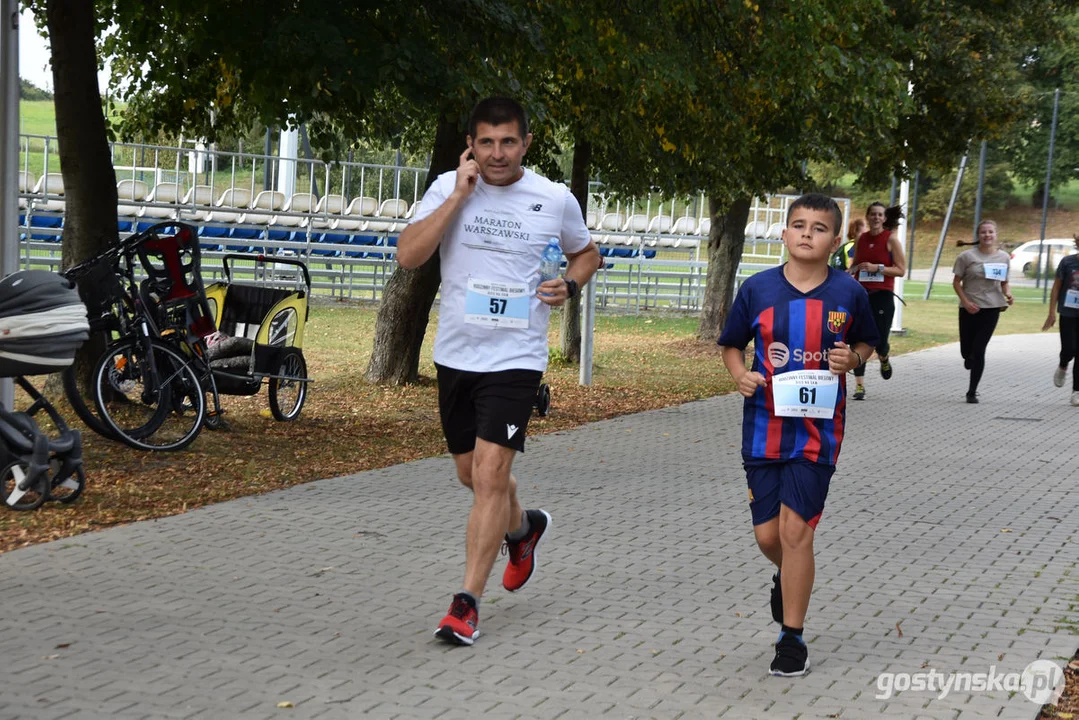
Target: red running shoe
<point x="461" y="625"/>
<point x="523" y="563"/>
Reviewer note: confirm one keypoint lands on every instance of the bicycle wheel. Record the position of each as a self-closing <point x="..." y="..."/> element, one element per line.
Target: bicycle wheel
<point x="152" y="401"/>
<point x="287" y="396"/>
<point x="81" y="407"/>
<point x="17" y="493"/>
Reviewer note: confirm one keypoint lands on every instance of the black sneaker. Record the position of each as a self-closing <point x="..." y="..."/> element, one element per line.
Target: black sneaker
<point x="792" y="657"/>
<point x="859" y="392"/>
<point x="777" y="600"/>
<point x="886" y="369"/>
<point x="972" y="398"/>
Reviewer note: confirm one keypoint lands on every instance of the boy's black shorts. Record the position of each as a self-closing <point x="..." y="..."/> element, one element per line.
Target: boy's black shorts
<point x="494" y="406"/>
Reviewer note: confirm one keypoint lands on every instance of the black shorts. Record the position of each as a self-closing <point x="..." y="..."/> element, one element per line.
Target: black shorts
<point x="494" y="406"/>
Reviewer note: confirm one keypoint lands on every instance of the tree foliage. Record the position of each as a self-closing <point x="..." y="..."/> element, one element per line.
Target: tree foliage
<point x="1050" y="66"/>
<point x="964" y="60"/>
<point x="30" y="91"/>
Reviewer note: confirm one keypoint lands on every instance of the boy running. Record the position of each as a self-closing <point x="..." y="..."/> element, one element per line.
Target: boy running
<point x="810" y="324"/>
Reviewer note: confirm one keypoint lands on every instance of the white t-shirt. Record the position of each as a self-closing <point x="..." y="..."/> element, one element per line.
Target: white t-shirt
<point x="498" y="237"/>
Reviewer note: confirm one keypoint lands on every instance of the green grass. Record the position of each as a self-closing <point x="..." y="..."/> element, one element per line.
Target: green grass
<point x="936" y="321"/>
<point x="37" y="117"/>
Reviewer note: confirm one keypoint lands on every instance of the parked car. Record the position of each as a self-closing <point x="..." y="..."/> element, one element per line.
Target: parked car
<point x="1025" y="256"/>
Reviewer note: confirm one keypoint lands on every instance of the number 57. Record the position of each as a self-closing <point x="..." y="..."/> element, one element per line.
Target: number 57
<point x="498" y="306"/>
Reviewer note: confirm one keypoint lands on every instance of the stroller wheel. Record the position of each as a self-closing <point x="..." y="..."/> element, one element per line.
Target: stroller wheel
<point x="289" y="390"/>
<point x="66" y="490"/>
<point x="21" y="492"/>
<point x="543" y="400"/>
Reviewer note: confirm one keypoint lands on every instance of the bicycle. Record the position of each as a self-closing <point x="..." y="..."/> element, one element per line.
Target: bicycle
<point x="147" y="385"/>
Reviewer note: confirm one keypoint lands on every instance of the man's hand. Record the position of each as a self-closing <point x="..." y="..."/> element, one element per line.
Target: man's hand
<point x="842" y="359"/>
<point x="749" y="382"/>
<point x="467" y="172"/>
<point x="553" y="292"/>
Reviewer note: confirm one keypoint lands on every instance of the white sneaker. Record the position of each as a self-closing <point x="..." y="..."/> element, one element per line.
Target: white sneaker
<point x="1075" y="398"/>
<point x="1058" y="376"/>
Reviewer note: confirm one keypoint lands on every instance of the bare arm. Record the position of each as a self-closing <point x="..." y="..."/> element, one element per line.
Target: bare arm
<point x="898" y="268"/>
<point x="1054" y="297"/>
<point x="844" y="358"/>
<point x="745" y="380"/>
<point x="418" y="242"/>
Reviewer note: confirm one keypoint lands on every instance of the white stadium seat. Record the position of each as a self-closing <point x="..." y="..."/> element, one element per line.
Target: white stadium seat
<point x="166" y="193"/>
<point x="200" y="196"/>
<point x="133" y="190"/>
<point x="266" y="202"/>
<point x="50" y="184"/>
<point x="756" y="230"/>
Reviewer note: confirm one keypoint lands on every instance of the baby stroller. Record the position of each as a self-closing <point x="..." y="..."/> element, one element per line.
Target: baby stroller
<point x="42" y="324"/>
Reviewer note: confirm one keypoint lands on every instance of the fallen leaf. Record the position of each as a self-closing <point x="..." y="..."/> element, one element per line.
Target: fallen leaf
<point x="1000" y="657"/>
<point x="738" y="614"/>
<point x="1074" y="665"/>
<point x="61" y="646"/>
<point x="1065" y="715"/>
<point x="899" y="629"/>
<point x="49" y="657"/>
<point x="580" y="652"/>
<point x="1006" y="530"/>
<point x="285" y="704"/>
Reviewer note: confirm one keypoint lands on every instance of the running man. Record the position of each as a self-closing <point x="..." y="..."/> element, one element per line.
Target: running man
<point x="490" y="220"/>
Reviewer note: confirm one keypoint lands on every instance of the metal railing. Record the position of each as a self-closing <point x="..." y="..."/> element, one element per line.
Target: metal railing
<point x="352" y="256"/>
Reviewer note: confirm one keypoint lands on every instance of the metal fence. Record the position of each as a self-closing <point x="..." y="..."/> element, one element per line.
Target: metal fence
<point x="343" y="218"/>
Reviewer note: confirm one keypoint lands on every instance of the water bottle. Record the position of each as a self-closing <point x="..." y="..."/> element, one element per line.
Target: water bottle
<point x="551" y="261"/>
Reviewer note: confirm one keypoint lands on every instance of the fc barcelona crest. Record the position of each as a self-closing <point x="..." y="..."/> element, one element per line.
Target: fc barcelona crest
<point x="836" y="320"/>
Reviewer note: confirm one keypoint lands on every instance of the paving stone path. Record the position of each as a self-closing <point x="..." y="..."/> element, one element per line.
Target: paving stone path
<point x="948" y="544"/>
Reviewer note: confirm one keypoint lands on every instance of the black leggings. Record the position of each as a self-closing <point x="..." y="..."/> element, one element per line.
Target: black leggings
<point x="1069" y="345"/>
<point x="882" y="305"/>
<point x="975" y="330"/>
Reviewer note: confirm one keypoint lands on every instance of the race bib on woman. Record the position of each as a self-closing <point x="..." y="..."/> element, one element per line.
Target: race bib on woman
<point x="1071" y="299"/>
<point x="996" y="271"/>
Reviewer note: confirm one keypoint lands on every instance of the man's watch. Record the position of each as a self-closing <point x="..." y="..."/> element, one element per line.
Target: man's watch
<point x="572" y="288"/>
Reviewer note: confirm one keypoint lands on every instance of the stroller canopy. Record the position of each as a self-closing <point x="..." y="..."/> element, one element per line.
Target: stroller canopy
<point x="42" y="323"/>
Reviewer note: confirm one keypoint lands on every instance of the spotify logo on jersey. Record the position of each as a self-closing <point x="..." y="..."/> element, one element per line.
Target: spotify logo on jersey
<point x="778" y="354"/>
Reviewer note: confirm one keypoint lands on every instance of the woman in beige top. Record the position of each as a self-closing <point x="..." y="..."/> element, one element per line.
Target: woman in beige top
<point x="981" y="282"/>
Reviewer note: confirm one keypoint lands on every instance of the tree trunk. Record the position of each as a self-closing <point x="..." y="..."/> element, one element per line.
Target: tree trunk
<point x="89" y="179"/>
<point x="725" y="243"/>
<point x="85" y="161"/>
<point x="406" y="301"/>
<point x="571" y="310"/>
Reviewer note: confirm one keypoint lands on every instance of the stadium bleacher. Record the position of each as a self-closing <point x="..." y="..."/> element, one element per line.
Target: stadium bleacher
<point x="652" y="252"/>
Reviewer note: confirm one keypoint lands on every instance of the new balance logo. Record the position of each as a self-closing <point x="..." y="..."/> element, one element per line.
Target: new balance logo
<point x="536" y="208"/>
<point x="511" y="430"/>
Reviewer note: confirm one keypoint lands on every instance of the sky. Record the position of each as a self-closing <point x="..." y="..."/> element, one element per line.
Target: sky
<point x="34" y="55"/>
